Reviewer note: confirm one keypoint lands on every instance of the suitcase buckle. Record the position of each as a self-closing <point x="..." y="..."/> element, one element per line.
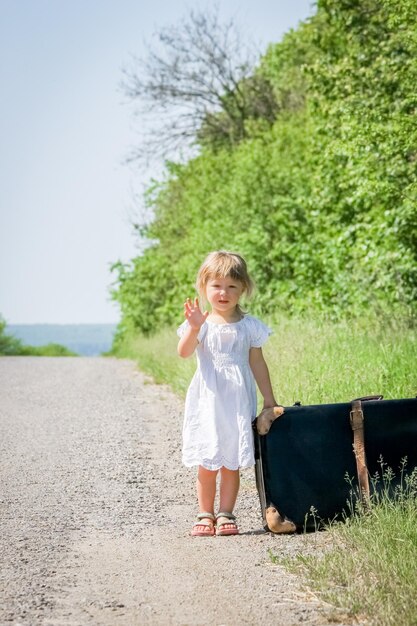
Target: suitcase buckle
<point x="356" y="419"/>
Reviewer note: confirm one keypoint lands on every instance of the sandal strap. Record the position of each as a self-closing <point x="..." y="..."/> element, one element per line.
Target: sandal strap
<point x="201" y="516"/>
<point x="205" y="524"/>
<point x="227" y="515"/>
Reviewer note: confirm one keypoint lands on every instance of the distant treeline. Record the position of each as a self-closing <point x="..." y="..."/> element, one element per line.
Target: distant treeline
<point x="13" y="346"/>
<point x="84" y="339"/>
<point x="321" y="200"/>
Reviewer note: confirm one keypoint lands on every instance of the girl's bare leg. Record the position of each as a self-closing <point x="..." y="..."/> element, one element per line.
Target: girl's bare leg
<point x="206" y="489"/>
<point x="229" y="487"/>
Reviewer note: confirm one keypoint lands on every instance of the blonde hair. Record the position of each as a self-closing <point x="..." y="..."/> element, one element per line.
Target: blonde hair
<point x="224" y="264"/>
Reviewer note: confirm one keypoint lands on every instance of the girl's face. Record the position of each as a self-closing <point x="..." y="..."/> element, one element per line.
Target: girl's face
<point x="223" y="294"/>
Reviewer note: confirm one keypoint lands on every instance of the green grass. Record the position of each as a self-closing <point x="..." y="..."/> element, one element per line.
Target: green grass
<point x="310" y="361"/>
<point x="157" y="355"/>
<point x="371" y="569"/>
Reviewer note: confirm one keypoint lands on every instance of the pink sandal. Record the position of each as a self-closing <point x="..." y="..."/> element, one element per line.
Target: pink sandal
<point x="204" y="528"/>
<point x="226" y="519"/>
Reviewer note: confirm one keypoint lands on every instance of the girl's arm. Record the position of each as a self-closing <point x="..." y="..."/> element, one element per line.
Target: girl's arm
<point x="261" y="374"/>
<point x="189" y="341"/>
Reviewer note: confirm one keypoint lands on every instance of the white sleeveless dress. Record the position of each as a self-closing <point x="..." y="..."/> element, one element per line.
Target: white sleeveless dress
<point x="221" y="399"/>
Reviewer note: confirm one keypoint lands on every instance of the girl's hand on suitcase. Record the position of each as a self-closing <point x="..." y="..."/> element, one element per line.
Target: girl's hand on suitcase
<point x="266" y="418"/>
<point x="193" y="313"/>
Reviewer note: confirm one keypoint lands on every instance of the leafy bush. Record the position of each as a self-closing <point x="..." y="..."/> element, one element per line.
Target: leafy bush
<point x="323" y="203"/>
<point x="9" y="345"/>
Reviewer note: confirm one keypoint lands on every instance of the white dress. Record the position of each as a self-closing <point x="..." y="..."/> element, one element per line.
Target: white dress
<point x="221" y="399"/>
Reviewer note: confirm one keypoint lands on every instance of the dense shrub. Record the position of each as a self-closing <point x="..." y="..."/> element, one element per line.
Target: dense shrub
<point x="323" y="203"/>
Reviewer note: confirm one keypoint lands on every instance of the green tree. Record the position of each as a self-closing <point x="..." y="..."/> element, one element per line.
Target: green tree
<point x="198" y="83"/>
<point x="323" y="203"/>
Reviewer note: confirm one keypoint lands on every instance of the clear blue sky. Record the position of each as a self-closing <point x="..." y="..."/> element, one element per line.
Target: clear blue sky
<point x="65" y="196"/>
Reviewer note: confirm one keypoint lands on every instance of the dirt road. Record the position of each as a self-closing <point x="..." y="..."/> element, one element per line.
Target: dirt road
<point x="96" y="511"/>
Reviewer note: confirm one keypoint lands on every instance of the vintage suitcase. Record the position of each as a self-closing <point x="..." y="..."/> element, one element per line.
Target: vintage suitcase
<point x="313" y="463"/>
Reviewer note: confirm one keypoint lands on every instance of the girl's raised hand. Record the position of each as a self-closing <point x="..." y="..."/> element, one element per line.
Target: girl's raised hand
<point x="193" y="314"/>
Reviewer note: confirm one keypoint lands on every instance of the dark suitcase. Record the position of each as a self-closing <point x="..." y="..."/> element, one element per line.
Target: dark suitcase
<point x="315" y="462"/>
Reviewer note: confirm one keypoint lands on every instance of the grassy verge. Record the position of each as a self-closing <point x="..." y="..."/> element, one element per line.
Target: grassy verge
<point x="370" y="572"/>
<point x="310" y="361"/>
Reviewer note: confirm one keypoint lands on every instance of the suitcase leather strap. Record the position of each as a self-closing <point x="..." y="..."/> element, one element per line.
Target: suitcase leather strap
<point x="356" y="422"/>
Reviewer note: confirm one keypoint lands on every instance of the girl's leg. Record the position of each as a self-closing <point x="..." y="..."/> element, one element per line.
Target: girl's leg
<point x="206" y="489"/>
<point x="229" y="487"/>
<point x="206" y="492"/>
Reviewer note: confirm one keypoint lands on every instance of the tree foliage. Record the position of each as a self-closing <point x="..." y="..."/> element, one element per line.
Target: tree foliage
<point x="198" y="82"/>
<point x="323" y="203"/>
<point x="9" y="345"/>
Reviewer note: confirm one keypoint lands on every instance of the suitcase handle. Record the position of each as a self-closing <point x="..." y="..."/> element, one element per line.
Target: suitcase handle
<point x="366" y="398"/>
<point x="356" y="423"/>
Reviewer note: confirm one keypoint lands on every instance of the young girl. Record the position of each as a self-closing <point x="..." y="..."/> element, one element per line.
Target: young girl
<point x="221" y="400"/>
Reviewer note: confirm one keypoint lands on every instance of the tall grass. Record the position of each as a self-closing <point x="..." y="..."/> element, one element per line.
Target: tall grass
<point x="310" y="361"/>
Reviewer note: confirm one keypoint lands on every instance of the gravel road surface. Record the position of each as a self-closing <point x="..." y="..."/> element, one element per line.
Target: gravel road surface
<point x="96" y="510"/>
